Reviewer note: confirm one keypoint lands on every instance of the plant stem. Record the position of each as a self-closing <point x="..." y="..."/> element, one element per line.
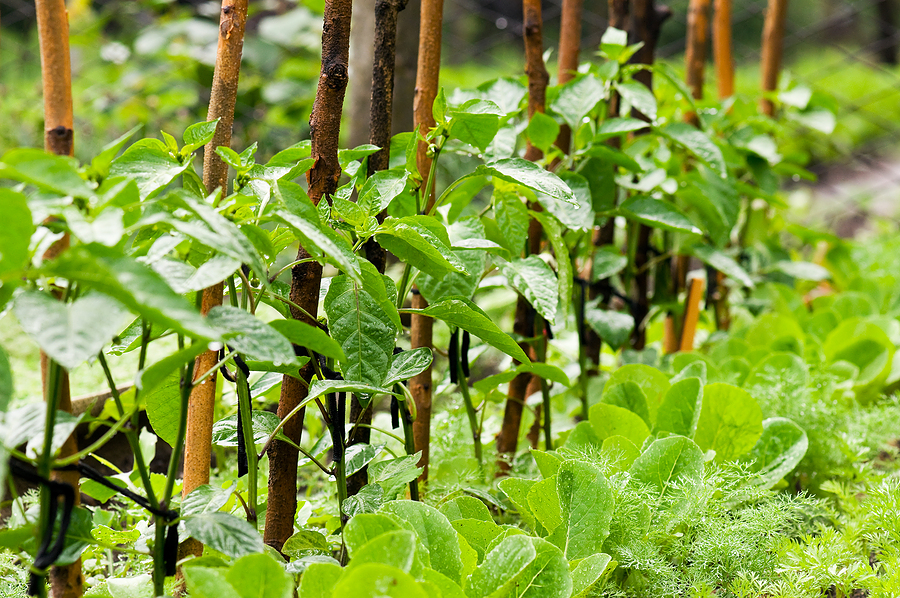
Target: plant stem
<point x="471" y="413"/>
<point x="243" y="393"/>
<point x="409" y="443"/>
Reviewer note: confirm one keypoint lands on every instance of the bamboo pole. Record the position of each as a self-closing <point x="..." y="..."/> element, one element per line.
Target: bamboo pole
<point x="56" y="82"/>
<point x="380" y="113"/>
<point x="427" y="78"/>
<point x="691" y="314"/>
<point x="223" y="97"/>
<point x="306" y="278"/>
<point x="722" y="48"/>
<point x="695" y="51"/>
<point x="772" y="50"/>
<point x="569" y="47"/>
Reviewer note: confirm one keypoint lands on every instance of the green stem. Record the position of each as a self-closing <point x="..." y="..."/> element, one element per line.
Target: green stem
<point x="52" y="392"/>
<point x="243" y="393"/>
<point x="409" y="444"/>
<point x="232" y="292"/>
<point x="403" y="291"/>
<point x="582" y="355"/>
<point x="429" y="182"/>
<point x="470" y="409"/>
<point x="545" y="388"/>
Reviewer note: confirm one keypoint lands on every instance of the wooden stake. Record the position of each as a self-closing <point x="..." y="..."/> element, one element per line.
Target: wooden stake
<point x="722" y="48"/>
<point x="569" y="47"/>
<point x="691" y="314"/>
<point x="695" y="52"/>
<point x="772" y="50"/>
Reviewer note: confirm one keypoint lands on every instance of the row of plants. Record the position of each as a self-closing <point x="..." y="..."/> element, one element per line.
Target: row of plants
<point x="590" y="236"/>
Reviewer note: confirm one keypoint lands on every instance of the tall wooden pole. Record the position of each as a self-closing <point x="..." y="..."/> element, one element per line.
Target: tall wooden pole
<point x="306" y="278"/>
<point x="222" y="100"/>
<point x="722" y="48"/>
<point x="772" y="50"/>
<point x="569" y="48"/>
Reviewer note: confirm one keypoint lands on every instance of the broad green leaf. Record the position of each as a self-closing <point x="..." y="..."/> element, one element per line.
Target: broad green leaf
<point x="547" y="576"/>
<point x="47" y="172"/>
<point x="530" y="175"/>
<point x="587" y="508"/>
<point x="436" y="536"/>
<point x="583" y="437"/>
<point x="197" y="135"/>
<point x="225" y="533"/>
<point x="459" y="311"/>
<point x="454" y="283"/>
<point x="366" y="527"/>
<point x="610" y="420"/>
<point x="627" y="395"/>
<point x="657" y="213"/>
<point x="394" y="548"/>
<point x="779" y="450"/>
<point x="730" y="421"/>
<point x="545" y="371"/>
<point x="543" y="501"/>
<point x="639" y="97"/>
<point x="478" y="534"/>
<point x="865" y="345"/>
<point x="304" y="542"/>
<point x="325" y="387"/>
<point x="653" y="382"/>
<point x="394" y="474"/>
<point x="542" y="131"/>
<point x="6" y="381"/>
<point x="780" y="374"/>
<point x="382" y="188"/>
<point x="619" y="452"/>
<point x="164" y="407"/>
<point x="589" y="571"/>
<point x="506" y="92"/>
<point x="517" y="489"/>
<point x="723" y="263"/>
<point x="547" y="462"/>
<point x="319" y="580"/>
<point x="447" y="587"/>
<point x="260" y="576"/>
<point x="802" y="270"/>
<point x="205" y="499"/>
<point x="357" y="456"/>
<point x="263" y="423"/>
<point x="577" y="98"/>
<point x="311" y="337"/>
<point x="534" y="280"/>
<point x="407" y="364"/>
<point x="364" y="331"/>
<point x="607" y="261"/>
<point x="564" y="272"/>
<point x="614" y="328"/>
<point x="614" y="127"/>
<point x="669" y="462"/>
<point x="247" y="334"/>
<point x="413" y="240"/>
<point x="16" y="237"/>
<point x="319" y="240"/>
<point x="697" y="142"/>
<point x="382" y="289"/>
<point x="475" y="122"/>
<point x="680" y="409"/>
<point x="502" y="568"/>
<point x="466" y="507"/>
<point x="374" y="580"/>
<point x="208" y="582"/>
<point x="575" y="217"/>
<point x="133" y="284"/>
<point x="149" y="163"/>
<point x="70" y="333"/>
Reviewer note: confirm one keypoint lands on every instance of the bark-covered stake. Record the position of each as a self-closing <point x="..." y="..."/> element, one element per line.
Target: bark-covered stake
<point x="722" y="49"/>
<point x="695" y="51"/>
<point x="306" y="278"/>
<point x="772" y="49"/>
<point x="427" y="74"/>
<point x="524" y="323"/>
<point x="380" y="111"/>
<point x="223" y="96"/>
<point x="56" y="79"/>
<point x="569" y="47"/>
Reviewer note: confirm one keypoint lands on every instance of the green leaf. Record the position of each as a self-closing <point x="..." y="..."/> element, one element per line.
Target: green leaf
<point x="658" y="214"/>
<point x="47" y="172"/>
<point x="394" y="474"/>
<point x="587" y="507"/>
<point x="534" y="280"/>
<point x="723" y="263"/>
<point x="324" y="387"/>
<point x="542" y="131"/>
<point x="619" y="452"/>
<point x="517" y="489"/>
<point x="364" y="331"/>
<point x="627" y="395"/>
<point x="197" y="135"/>
<point x="639" y="97"/>
<point x="382" y="289"/>
<point x="225" y="533"/>
<point x="564" y="272"/>
<point x="610" y="420"/>
<point x="366" y="527"/>
<point x="802" y="270"/>
<point x="606" y="262"/>
<point x="680" y="409"/>
<point x="529" y="175"/>
<point x="135" y="285"/>
<point x="205" y="499"/>
<point x="435" y="288"/>
<point x="575" y="217"/>
<point x="614" y="127"/>
<point x="407" y="364"/>
<point x="374" y="580"/>
<point x="653" y="382"/>
<point x="459" y="311"/>
<point x="614" y="328"/>
<point x="589" y="571"/>
<point x="208" y="582"/>
<point x="247" y="334"/>
<point x="318" y="239"/>
<point x="667" y="462"/>
<point x="502" y="568"/>
<point x="312" y="337"/>
<point x="6" y="381"/>
<point x="100" y="163"/>
<point x="436" y="536"/>
<point x="263" y="423"/>
<point x="577" y="98"/>
<point x="465" y="507"/>
<point x="16" y="237"/>
<point x="476" y="122"/>
<point x="260" y="576"/>
<point x="70" y="333"/>
<point x="382" y="188"/>
<point x="730" y="421"/>
<point x="164" y="408"/>
<point x="357" y="456"/>
<point x="304" y="542"/>
<point x="583" y="437"/>
<point x="394" y="548"/>
<point x="697" y="142"/>
<point x="417" y="241"/>
<point x="543" y="502"/>
<point x="547" y="576"/>
<point x="478" y="534"/>
<point x="546" y="371"/>
<point x="149" y="164"/>
<point x="779" y="450"/>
